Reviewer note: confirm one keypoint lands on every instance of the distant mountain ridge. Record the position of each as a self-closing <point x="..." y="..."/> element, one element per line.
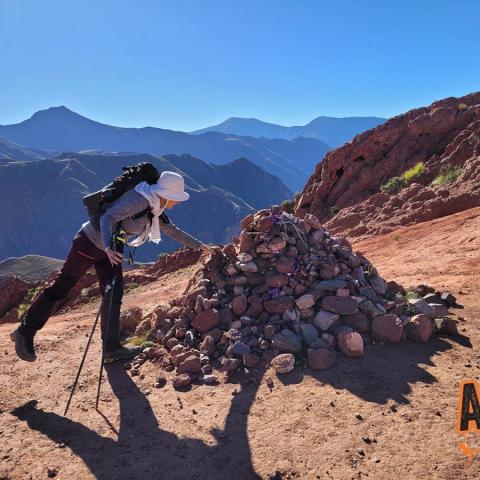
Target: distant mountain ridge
<point x="45" y="207"/>
<point x="330" y="130"/>
<point x="60" y="129"/>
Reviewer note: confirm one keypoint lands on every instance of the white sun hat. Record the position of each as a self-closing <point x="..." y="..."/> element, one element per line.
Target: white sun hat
<point x="170" y="186"/>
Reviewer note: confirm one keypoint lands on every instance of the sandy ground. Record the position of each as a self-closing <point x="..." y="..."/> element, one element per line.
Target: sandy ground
<point x="389" y="415"/>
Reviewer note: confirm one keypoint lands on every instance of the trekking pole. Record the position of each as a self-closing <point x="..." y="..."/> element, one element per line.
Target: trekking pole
<point x="118" y="245"/>
<point x="74" y="386"/>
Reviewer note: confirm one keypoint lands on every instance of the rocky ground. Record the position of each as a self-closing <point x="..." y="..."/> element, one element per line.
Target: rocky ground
<point x="387" y="414"/>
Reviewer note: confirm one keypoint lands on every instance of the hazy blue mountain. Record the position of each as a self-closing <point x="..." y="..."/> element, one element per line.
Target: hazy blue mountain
<point x="60" y="129"/>
<point x="330" y="130"/>
<point x="45" y="207"/>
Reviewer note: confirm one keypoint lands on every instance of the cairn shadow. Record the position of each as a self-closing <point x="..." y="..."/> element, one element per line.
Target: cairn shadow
<point x="386" y="372"/>
<point x="142" y="449"/>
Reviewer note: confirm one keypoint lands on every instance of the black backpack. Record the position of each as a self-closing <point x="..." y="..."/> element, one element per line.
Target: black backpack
<point x="97" y="202"/>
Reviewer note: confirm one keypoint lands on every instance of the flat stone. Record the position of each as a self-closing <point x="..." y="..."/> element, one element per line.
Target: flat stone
<point x="305" y="301"/>
<point x="248" y="267"/>
<point x="433" y="298"/>
<point x="370" y="309"/>
<point x="277" y="280"/>
<point x="180" y="381"/>
<point x="239" y="349"/>
<point x="340" y="305"/>
<point x="321" y="359"/>
<point x="379" y="284"/>
<point x="387" y="328"/>
<point x="287" y="341"/>
<point x="331" y="285"/>
<point x="449" y="299"/>
<point x="420" y="328"/>
<point x="230" y="364"/>
<point x="279" y="304"/>
<point x="324" y="320"/>
<point x="283" y="363"/>
<point x="438" y="310"/>
<point x="421" y="306"/>
<point x="309" y="333"/>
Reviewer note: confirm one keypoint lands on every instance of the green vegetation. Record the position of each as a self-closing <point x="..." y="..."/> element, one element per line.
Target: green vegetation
<point x="395" y="184"/>
<point x="462" y="107"/>
<point x="288" y="206"/>
<point x="27" y="300"/>
<point x="414" y="172"/>
<point x="140" y="340"/>
<point x="334" y="210"/>
<point x="411" y="295"/>
<point x="132" y="285"/>
<point x="396" y="237"/>
<point x="448" y="174"/>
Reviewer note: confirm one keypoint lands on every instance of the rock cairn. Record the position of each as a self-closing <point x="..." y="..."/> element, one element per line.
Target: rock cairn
<point x="285" y="290"/>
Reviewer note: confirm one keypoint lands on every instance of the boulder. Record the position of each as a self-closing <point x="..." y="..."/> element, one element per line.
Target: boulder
<point x="350" y="343"/>
<point x="287" y="341"/>
<point x="283" y="363"/>
<point x="324" y="320"/>
<point x="206" y="320"/>
<point x="130" y="318"/>
<point x="420" y="328"/>
<point x="387" y="328"/>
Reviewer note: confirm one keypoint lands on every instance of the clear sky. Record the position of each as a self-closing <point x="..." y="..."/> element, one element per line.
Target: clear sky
<point x="187" y="64"/>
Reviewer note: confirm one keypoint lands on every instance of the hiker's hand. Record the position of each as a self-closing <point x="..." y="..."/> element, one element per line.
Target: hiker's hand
<point x="114" y="257"/>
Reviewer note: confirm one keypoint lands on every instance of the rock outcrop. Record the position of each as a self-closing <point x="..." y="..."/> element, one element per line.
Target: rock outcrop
<point x="12" y="291"/>
<point x="345" y="192"/>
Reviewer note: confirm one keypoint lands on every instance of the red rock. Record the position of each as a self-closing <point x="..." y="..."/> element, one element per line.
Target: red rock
<point x="279" y="304"/>
<point x="420" y="328"/>
<point x="181" y="381"/>
<point x="340" y="305"/>
<point x="387" y="328"/>
<point x="284" y="264"/>
<point x="239" y="304"/>
<point x="358" y="321"/>
<point x="247" y="243"/>
<point x="207" y="345"/>
<point x="350" y="343"/>
<point x="283" y="363"/>
<point x="278" y="280"/>
<point x="349" y="178"/>
<point x="255" y="307"/>
<point x="250" y="359"/>
<point x="130" y="318"/>
<point x="191" y="364"/>
<point x="206" y="320"/>
<point x="12" y="291"/>
<point x="321" y="359"/>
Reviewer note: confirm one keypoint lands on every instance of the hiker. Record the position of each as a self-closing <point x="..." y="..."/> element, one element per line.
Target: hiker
<point x="91" y="247"/>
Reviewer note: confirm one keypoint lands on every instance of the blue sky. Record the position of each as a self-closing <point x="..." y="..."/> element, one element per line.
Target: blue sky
<point x="186" y="64"/>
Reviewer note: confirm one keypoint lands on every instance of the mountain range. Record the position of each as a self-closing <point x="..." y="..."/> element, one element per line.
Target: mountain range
<point x="62" y="130"/>
<point x="45" y="208"/>
<point x="330" y="130"/>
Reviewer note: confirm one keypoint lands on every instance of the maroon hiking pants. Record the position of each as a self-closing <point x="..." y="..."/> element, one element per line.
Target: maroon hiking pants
<point x="83" y="254"/>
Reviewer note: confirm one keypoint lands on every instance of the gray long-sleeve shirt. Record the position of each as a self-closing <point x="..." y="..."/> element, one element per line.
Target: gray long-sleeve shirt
<point x="122" y="210"/>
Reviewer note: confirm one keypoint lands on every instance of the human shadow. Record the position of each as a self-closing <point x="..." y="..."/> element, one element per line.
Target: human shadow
<point x="142" y="449"/>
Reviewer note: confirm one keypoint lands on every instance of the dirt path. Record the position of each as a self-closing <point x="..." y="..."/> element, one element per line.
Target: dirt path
<point x="401" y="399"/>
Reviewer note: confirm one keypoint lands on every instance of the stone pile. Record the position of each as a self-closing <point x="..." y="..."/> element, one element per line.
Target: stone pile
<point x="284" y="291"/>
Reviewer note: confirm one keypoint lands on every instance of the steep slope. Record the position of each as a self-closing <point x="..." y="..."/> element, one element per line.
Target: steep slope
<point x="63" y="130"/>
<point x="331" y="130"/>
<point x="421" y="165"/>
<point x="45" y="207"/>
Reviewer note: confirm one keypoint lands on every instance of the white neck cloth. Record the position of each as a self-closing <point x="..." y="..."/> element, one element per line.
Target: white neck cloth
<point x="152" y="231"/>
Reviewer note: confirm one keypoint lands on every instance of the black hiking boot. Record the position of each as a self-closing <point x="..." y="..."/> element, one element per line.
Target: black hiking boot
<point x="24" y="346"/>
<point x="121" y="353"/>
